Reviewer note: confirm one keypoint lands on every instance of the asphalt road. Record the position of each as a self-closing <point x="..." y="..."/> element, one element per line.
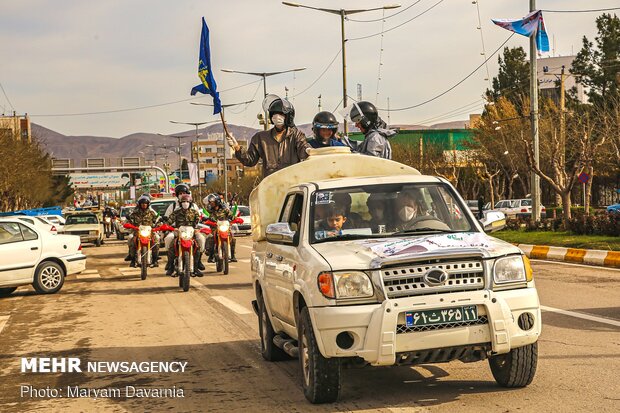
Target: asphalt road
<point x="109" y="314"/>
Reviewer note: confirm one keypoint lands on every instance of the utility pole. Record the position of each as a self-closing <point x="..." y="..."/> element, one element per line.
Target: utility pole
<point x="320" y="107"/>
<point x="534" y="123"/>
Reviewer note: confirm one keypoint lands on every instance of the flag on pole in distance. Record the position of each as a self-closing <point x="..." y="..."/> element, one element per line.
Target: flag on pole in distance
<point x="532" y="24"/>
<point x="208" y="85"/>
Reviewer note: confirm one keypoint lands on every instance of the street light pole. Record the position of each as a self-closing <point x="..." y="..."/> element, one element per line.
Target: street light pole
<point x="535" y="180"/>
<point x="342" y="13"/>
<point x="179" y="137"/>
<point x="264" y="76"/>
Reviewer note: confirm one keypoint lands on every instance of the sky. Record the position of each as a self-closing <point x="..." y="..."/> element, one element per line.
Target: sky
<point x="75" y="57"/>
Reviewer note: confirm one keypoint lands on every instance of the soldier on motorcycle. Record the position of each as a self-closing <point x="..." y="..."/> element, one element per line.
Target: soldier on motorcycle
<point x="186" y="215"/>
<point x="218" y="210"/>
<point x="143" y="215"/>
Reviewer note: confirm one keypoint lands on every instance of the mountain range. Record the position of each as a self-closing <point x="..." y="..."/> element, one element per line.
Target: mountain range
<point x="81" y="147"/>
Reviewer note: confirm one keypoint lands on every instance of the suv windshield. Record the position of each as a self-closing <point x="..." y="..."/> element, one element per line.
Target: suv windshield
<point x="161" y="206"/>
<point x="385" y="210"/>
<point x="245" y="211"/>
<point x="81" y="219"/>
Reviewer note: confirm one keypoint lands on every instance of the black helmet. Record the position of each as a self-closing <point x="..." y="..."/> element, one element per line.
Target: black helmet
<point x="144" y="199"/>
<point x="211" y="198"/>
<point x="365" y="113"/>
<point x="324" y="120"/>
<point x="274" y="104"/>
<point x="181" y="188"/>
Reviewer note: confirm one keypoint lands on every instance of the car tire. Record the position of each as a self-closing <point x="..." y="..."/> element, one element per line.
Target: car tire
<point x="268" y="349"/>
<point x="320" y="376"/>
<point x="48" y="278"/>
<point x="515" y="368"/>
<point x="5" y="292"/>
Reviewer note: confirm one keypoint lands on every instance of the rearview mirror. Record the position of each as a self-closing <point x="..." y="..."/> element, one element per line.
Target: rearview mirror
<point x="280" y="233"/>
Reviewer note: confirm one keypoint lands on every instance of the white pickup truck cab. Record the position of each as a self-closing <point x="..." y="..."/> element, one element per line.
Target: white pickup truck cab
<point x="362" y="260"/>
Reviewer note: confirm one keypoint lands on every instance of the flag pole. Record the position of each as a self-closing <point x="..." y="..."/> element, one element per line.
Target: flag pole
<point x="535" y="180"/>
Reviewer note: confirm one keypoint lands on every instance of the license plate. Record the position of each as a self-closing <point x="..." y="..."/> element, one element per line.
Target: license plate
<point x="441" y="316"/>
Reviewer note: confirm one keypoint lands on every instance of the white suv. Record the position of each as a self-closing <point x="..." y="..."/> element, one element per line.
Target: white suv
<point x="518" y="208"/>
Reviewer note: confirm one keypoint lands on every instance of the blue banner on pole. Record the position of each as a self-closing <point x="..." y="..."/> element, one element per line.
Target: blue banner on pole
<point x="208" y="85"/>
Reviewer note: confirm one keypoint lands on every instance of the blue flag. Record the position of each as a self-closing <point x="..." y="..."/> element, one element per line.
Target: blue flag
<point x="205" y="73"/>
<point x="532" y="24"/>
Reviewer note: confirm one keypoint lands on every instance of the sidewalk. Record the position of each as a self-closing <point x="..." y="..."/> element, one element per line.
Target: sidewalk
<point x="575" y="255"/>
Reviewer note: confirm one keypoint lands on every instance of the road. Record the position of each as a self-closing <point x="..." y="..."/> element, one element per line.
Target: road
<point x="109" y="314"/>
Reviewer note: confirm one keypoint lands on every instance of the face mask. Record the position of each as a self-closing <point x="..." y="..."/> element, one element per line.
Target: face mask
<point x="278" y="120"/>
<point x="184" y="205"/>
<point x="406" y="213"/>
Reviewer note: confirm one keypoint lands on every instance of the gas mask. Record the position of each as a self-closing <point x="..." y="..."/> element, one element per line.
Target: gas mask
<point x="406" y="213"/>
<point x="278" y="120"/>
<point x="185" y="205"/>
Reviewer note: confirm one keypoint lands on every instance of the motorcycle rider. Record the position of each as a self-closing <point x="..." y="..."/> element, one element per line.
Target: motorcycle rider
<point x="324" y="127"/>
<point x="367" y="120"/>
<point x="179" y="191"/>
<point x="186" y="215"/>
<point x="279" y="147"/>
<point x="108" y="212"/>
<point x="143" y="215"/>
<point x="218" y="210"/>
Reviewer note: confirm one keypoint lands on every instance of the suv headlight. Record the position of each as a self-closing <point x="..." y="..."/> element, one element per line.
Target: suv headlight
<point x="345" y="284"/>
<point x="512" y="269"/>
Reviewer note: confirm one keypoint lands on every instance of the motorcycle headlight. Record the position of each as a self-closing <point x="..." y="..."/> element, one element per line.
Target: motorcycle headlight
<point x="187" y="234"/>
<point x="145" y="231"/>
<point x="512" y="269"/>
<point x="107" y="219"/>
<point x="346" y="284"/>
<point x="223" y="226"/>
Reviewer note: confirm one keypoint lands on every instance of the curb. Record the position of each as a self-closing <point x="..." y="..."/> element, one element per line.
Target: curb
<point x="574" y="255"/>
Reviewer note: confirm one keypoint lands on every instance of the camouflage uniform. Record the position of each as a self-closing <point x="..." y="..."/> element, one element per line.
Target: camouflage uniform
<point x="222" y="213"/>
<point x="188" y="218"/>
<point x="146" y="217"/>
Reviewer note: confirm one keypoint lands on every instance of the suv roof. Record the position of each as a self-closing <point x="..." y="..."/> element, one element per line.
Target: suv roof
<point x="374" y="180"/>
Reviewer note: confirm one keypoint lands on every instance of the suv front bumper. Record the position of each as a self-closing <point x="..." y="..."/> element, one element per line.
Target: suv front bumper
<point x="374" y="327"/>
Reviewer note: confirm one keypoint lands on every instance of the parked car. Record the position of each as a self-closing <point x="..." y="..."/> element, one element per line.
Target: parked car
<point x="57" y="220"/>
<point x="87" y="225"/>
<point x="38" y="222"/>
<point x="246" y="227"/>
<point x="614" y="208"/>
<point x="518" y="208"/>
<point x="378" y="292"/>
<point x="32" y="255"/>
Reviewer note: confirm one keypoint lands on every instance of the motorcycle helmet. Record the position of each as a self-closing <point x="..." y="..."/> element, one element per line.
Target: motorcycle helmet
<point x="365" y="113"/>
<point x="210" y="198"/>
<point x="324" y="120"/>
<point x="275" y="104"/>
<point x="181" y="188"/>
<point x="144" y="200"/>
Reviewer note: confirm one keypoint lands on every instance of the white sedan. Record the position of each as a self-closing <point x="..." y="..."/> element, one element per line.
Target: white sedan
<point x="32" y="255"/>
<point x="39" y="222"/>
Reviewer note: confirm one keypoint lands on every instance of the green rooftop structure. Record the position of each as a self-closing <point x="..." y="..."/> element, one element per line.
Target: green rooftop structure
<point x="445" y="138"/>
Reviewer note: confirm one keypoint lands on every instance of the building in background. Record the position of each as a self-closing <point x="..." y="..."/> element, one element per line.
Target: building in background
<point x="549" y="72"/>
<point x="16" y="127"/>
<point x="209" y="153"/>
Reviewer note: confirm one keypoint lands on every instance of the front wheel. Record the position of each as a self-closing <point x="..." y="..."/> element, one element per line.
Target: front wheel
<point x="224" y="255"/>
<point x="144" y="262"/>
<point x="48" y="278"/>
<point x="515" y="368"/>
<point x="320" y="375"/>
<point x="186" y="271"/>
<point x="5" y="292"/>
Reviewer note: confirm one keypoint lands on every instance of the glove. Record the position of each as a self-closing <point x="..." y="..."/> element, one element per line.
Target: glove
<point x="232" y="141"/>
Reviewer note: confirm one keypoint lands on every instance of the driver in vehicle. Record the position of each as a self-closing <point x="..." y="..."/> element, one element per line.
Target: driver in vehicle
<point x="407" y="209"/>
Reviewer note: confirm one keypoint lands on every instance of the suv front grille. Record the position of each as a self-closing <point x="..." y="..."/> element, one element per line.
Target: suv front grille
<point x="407" y="281"/>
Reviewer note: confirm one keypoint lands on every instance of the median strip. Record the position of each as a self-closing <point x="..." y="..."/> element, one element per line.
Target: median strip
<point x="574" y="255"/>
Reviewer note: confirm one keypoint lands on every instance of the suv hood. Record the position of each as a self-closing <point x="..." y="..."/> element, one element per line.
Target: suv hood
<point x="375" y="252"/>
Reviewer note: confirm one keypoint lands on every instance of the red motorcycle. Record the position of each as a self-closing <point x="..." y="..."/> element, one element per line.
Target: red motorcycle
<point x="143" y="240"/>
<point x="184" y="248"/>
<point x="221" y="242"/>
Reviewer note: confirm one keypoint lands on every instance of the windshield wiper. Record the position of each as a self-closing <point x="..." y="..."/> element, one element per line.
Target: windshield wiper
<point x="424" y="229"/>
<point x="343" y="237"/>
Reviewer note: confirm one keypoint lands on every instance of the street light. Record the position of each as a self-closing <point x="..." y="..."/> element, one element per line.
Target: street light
<point x="196" y="124"/>
<point x="224" y="138"/>
<point x="264" y="75"/>
<point x="179" y="137"/>
<point x="343" y="13"/>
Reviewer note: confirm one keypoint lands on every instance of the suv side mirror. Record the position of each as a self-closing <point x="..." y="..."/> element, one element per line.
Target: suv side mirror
<point x="281" y="233"/>
<point x="493" y="221"/>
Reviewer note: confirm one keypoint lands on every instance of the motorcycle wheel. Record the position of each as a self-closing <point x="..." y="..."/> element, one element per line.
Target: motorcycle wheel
<point x="186" y="270"/>
<point x="145" y="264"/>
<point x="225" y="257"/>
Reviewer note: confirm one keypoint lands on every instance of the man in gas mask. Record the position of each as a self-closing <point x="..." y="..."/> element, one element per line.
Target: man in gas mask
<point x="279" y="147"/>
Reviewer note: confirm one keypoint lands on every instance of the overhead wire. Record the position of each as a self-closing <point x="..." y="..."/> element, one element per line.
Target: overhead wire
<point x="385" y="17"/>
<point x="580" y="11"/>
<point x="399" y="25"/>
<point x="139" y="107"/>
<point x="484" y="52"/>
<point x="320" y="76"/>
<point x="6" y="96"/>
<point x="456" y="84"/>
<point x="451" y="112"/>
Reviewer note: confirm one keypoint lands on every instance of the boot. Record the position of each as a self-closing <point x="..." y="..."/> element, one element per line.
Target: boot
<point x="155" y="262"/>
<point x="128" y="257"/>
<point x="211" y="256"/>
<point x="197" y="271"/>
<point x="132" y="264"/>
<point x="232" y="253"/>
<point x="198" y="261"/>
<point x="170" y="265"/>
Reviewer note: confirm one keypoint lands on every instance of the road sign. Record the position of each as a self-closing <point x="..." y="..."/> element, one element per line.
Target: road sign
<point x="584" y="177"/>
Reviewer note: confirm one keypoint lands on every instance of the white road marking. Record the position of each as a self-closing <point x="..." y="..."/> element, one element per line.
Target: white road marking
<point x="246" y="246"/>
<point x="3" y="321"/>
<point x="90" y="272"/>
<point x="246" y="260"/>
<point x="580" y="315"/>
<point x="572" y="264"/>
<point x="87" y="276"/>
<point x="230" y="304"/>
